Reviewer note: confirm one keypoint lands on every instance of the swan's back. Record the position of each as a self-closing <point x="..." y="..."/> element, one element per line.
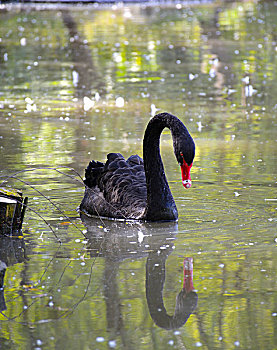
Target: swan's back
<point x="116" y="189"/>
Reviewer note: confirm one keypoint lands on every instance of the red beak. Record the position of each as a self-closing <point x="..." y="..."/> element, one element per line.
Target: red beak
<point x="188" y="275"/>
<point x="185" y="171"/>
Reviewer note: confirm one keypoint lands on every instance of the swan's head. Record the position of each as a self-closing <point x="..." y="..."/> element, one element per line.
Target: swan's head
<point x="185" y="154"/>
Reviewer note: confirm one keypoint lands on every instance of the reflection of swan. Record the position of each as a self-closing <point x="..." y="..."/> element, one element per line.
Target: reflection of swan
<point x="136" y="188"/>
<point x="12" y="251"/>
<point x="154" y="241"/>
<point x="127" y="240"/>
<point x="186" y="300"/>
<point x="3" y="268"/>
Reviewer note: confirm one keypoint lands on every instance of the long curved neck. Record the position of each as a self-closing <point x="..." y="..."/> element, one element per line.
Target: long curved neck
<point x="160" y="203"/>
<point x="186" y="301"/>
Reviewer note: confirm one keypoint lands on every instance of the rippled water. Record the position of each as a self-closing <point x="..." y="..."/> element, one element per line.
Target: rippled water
<point x="80" y="82"/>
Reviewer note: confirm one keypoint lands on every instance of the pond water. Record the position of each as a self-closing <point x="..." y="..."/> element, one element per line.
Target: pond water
<point x="80" y="82"/>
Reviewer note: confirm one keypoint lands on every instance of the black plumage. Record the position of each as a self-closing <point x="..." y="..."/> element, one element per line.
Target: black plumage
<point x="115" y="187"/>
<point x="137" y="188"/>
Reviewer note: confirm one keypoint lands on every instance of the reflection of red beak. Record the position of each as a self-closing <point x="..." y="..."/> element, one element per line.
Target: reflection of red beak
<point x="188" y="275"/>
<point x="185" y="171"/>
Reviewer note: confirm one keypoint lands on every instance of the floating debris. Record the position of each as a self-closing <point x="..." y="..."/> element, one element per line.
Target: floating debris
<point x="119" y="102"/>
<point x="100" y="339"/>
<point x="23" y="41"/>
<point x="198" y="344"/>
<point x="88" y="103"/>
<point x="154" y="110"/>
<point x="112" y="343"/>
<point x="75" y="78"/>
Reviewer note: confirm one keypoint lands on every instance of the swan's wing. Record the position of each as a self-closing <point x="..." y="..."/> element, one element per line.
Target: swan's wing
<point x="135" y="160"/>
<point x="119" y="186"/>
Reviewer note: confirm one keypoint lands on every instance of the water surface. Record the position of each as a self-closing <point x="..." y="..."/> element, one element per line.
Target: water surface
<point x="80" y="82"/>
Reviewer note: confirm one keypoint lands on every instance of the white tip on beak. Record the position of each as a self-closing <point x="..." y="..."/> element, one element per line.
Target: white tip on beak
<point x="186" y="183"/>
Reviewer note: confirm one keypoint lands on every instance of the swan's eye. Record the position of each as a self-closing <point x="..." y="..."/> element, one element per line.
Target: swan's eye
<point x="181" y="162"/>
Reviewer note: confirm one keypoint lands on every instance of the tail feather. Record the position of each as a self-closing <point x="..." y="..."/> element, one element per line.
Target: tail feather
<point x="92" y="173"/>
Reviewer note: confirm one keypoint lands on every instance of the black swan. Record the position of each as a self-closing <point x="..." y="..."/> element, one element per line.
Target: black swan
<point x="136" y="188"/>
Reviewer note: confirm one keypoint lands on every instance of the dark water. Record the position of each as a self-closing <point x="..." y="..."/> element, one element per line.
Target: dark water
<point x="80" y="82"/>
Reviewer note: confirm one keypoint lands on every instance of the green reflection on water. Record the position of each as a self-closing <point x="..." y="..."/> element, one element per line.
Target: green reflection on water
<point x="193" y="62"/>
